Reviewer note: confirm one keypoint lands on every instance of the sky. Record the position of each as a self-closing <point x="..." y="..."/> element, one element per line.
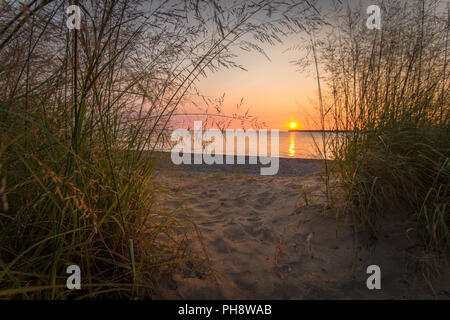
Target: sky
<point x="274" y="91"/>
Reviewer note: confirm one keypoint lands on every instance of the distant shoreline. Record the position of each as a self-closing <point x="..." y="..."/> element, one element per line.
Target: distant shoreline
<point x="319" y="131"/>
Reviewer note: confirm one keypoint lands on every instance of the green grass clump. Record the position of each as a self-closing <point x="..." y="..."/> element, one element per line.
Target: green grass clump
<point x="403" y="170"/>
<point x="388" y="91"/>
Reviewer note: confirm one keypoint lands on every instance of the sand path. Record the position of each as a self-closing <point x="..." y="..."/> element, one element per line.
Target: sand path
<point x="274" y="238"/>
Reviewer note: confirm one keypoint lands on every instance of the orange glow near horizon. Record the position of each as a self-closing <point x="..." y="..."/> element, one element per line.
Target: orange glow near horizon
<point x="274" y="91"/>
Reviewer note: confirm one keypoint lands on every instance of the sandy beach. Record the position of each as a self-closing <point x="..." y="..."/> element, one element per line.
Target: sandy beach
<point x="275" y="238"/>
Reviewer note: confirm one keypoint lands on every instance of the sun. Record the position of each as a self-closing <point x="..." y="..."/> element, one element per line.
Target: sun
<point x="293" y="125"/>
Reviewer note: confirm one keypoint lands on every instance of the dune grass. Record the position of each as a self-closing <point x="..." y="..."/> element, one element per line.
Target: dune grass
<point x="76" y="186"/>
<point x="389" y="89"/>
<point x="81" y="112"/>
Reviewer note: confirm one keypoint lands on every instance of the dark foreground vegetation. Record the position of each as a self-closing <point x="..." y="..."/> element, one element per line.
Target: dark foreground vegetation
<point x="389" y="89"/>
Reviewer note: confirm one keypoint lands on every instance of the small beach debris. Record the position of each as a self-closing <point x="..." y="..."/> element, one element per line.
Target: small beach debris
<point x="308" y="243"/>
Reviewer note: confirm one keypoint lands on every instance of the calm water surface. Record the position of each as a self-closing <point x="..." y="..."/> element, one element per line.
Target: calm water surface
<point x="302" y="145"/>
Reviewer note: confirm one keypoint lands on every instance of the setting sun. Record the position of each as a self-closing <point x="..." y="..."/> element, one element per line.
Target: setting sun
<point x="293" y="125"/>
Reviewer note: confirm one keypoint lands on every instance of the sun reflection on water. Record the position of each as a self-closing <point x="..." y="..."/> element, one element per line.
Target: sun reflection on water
<point x="292" y="145"/>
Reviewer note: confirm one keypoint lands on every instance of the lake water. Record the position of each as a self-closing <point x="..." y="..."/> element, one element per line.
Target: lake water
<point x="302" y="145"/>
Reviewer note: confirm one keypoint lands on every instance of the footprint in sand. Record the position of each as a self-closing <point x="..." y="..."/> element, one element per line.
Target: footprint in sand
<point x="235" y="233"/>
<point x="204" y="205"/>
<point x="254" y="220"/>
<point x="253" y="229"/>
<point x="264" y="201"/>
<point x="221" y="245"/>
<point x="268" y="235"/>
<point x="240" y="201"/>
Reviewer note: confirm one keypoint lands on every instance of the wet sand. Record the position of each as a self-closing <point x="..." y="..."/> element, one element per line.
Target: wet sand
<point x="287" y="167"/>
